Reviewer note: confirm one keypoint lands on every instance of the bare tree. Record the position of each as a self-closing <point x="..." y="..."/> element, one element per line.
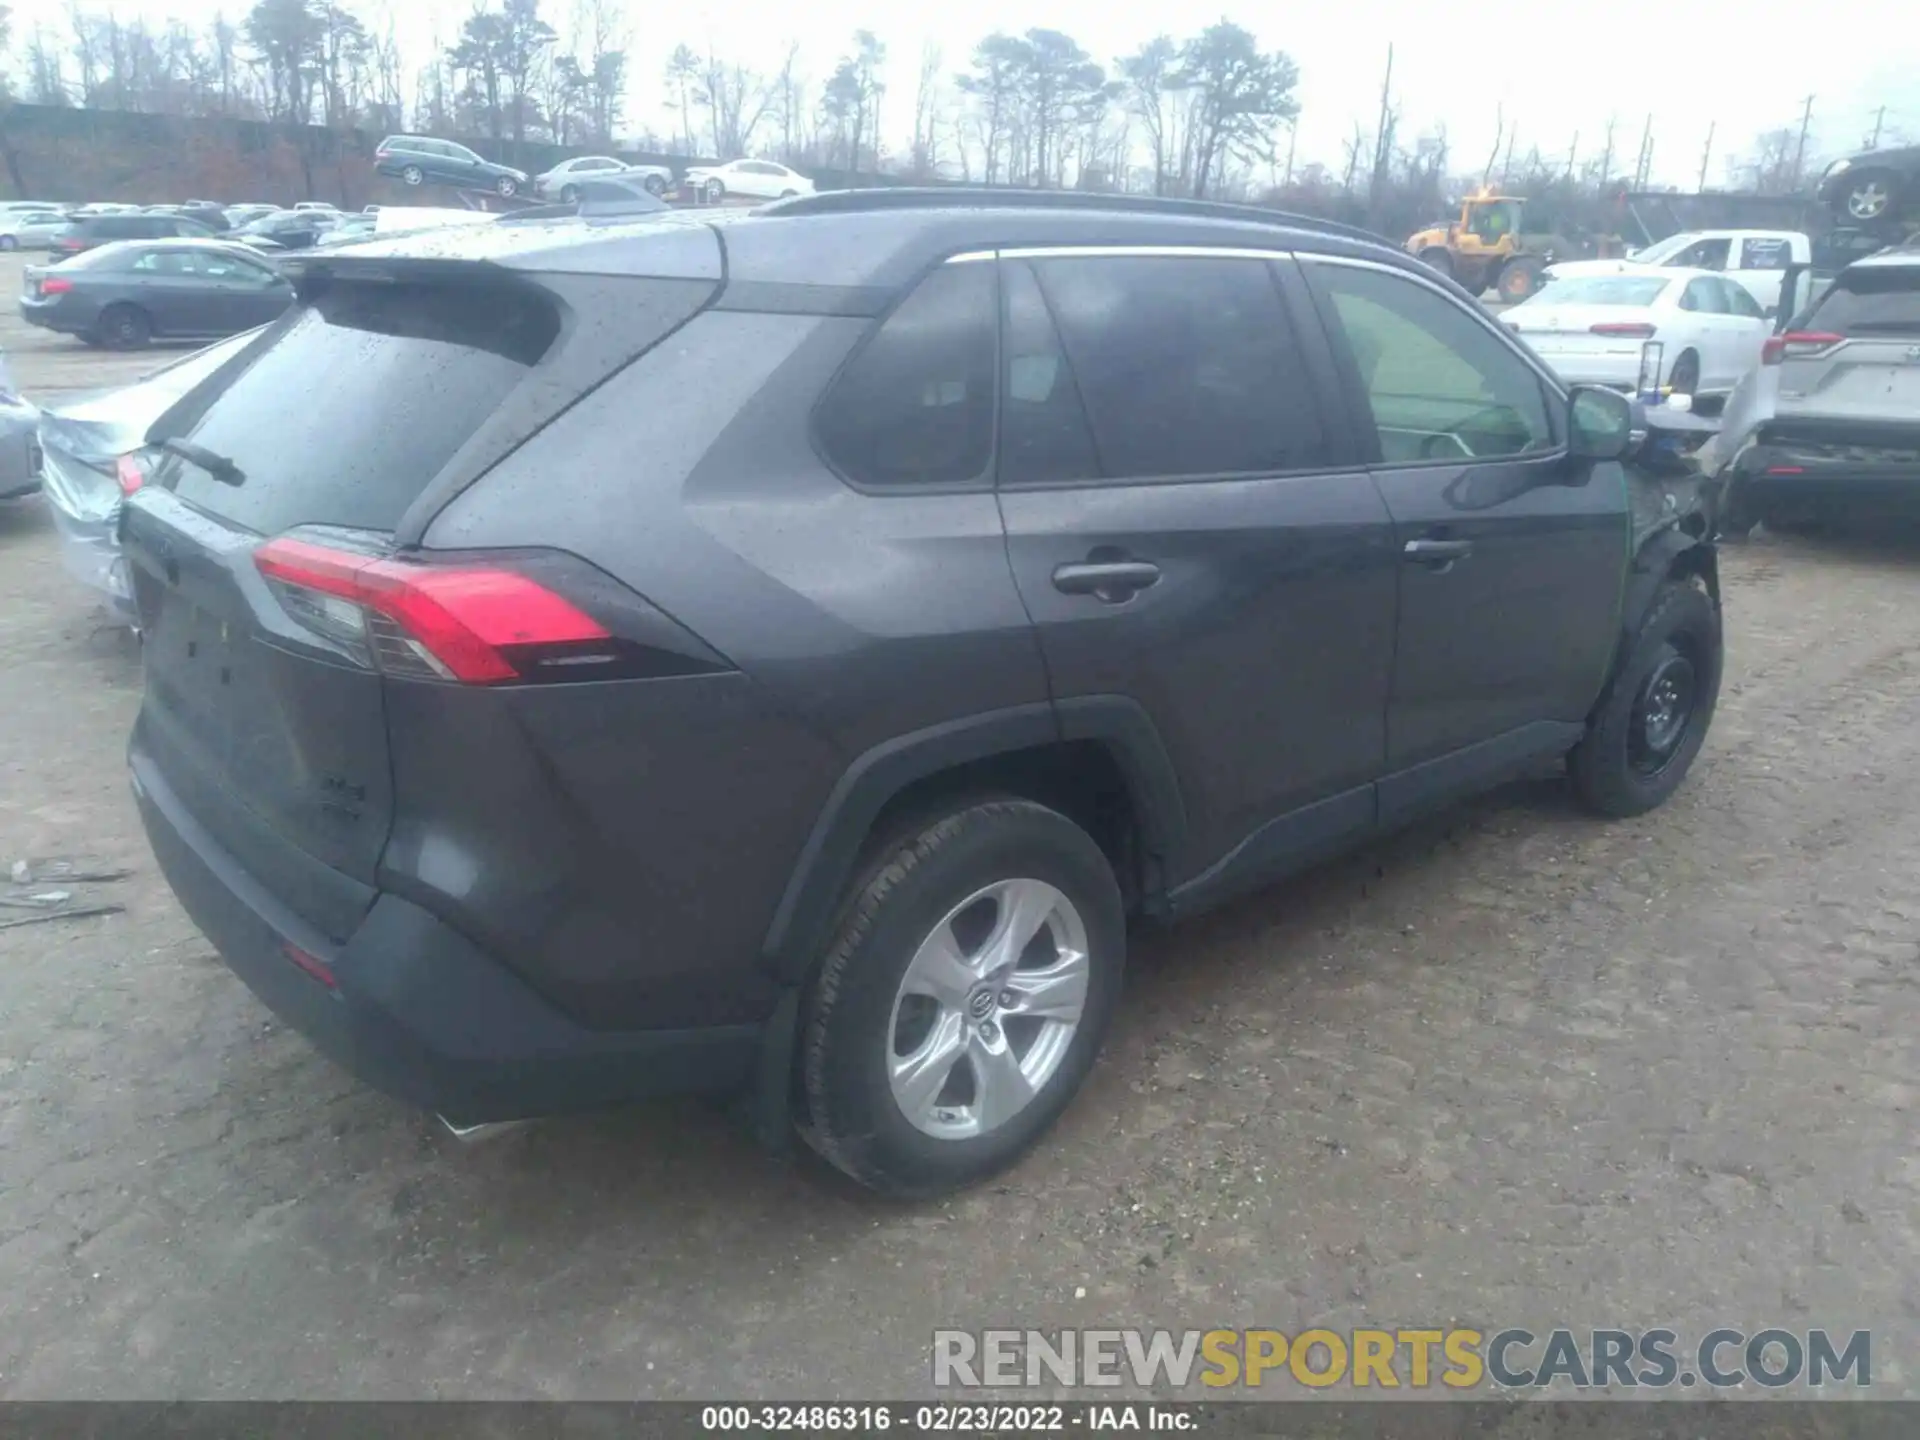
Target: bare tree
<point x="683" y="73"/>
<point x="926" y="114"/>
<point x="1151" y="93"/>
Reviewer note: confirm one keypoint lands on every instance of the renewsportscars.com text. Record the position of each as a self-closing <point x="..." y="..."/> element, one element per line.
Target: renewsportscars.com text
<point x="1412" y="1358"/>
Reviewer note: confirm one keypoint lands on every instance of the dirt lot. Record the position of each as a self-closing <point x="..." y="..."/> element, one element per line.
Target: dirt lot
<point x="1518" y="1067"/>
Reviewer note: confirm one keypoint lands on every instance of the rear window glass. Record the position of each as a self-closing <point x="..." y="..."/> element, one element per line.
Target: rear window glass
<point x="391" y="380"/>
<point x="1602" y="290"/>
<point x="1875" y="300"/>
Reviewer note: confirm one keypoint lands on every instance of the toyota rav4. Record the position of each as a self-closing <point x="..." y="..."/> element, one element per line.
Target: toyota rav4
<point x="777" y="653"/>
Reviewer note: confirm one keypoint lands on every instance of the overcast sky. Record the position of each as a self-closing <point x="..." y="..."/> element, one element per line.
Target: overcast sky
<point x="1743" y="65"/>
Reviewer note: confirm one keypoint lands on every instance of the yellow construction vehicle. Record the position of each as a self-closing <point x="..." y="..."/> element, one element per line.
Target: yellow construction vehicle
<point x="1490" y="248"/>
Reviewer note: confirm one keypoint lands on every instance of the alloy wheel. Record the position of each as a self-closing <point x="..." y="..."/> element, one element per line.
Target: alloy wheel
<point x="1869" y="201"/>
<point x="988" y="1009"/>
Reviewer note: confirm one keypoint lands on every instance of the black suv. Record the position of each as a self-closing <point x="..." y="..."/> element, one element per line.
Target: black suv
<point x="94" y="230"/>
<point x="777" y="652"/>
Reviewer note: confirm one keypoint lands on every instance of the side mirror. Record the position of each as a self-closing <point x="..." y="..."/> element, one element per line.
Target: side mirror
<point x="1599" y="423"/>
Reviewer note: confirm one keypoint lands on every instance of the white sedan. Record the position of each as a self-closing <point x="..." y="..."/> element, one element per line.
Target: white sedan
<point x="562" y="181"/>
<point x="30" y="229"/>
<point x="758" y="179"/>
<point x="1592" y="329"/>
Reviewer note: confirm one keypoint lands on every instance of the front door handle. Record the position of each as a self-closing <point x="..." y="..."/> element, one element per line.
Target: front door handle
<point x="1439" y="554"/>
<point x="1110" y="580"/>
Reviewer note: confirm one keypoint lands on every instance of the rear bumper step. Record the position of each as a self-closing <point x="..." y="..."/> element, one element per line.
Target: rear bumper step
<point x="416" y="1010"/>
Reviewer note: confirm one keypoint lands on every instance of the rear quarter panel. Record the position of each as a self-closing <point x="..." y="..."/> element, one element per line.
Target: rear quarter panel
<point x="853" y="619"/>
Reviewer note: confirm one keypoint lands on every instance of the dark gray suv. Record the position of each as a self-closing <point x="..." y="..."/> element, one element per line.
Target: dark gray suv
<point x="776" y="653"/>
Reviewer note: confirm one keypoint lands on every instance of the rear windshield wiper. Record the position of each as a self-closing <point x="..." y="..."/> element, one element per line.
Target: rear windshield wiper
<point x="215" y="464"/>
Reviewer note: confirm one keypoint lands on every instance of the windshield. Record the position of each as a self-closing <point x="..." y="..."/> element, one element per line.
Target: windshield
<point x="1601" y="290"/>
<point x="1660" y="253"/>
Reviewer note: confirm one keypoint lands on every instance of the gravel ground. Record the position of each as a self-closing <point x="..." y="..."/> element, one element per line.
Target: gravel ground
<point x="1514" y="1068"/>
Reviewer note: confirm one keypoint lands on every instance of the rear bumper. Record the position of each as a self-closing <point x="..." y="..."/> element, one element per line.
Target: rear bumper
<point x="1826" y="471"/>
<point x="416" y="1010"/>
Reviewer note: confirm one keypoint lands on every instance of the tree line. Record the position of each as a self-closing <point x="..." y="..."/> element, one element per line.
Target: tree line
<point x="1210" y="114"/>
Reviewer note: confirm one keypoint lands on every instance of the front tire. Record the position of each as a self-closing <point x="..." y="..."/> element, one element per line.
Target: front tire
<point x="1650" y="723"/>
<point x="964" y="998"/>
<point x="715" y="192"/>
<point x="506" y="187"/>
<point x="654" y="186"/>
<point x="413" y="175"/>
<point x="9" y="242"/>
<point x="569" y="194"/>
<point x="1440" y="260"/>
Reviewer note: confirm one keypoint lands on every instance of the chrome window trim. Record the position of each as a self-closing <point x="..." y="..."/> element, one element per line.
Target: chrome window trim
<point x="1098" y="252"/>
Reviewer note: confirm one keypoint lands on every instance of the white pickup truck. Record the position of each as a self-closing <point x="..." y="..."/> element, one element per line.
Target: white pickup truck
<point x="1756" y="260"/>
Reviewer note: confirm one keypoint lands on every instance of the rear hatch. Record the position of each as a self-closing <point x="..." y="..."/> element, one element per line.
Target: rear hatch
<point x="1856" y="355"/>
<point x="261" y="552"/>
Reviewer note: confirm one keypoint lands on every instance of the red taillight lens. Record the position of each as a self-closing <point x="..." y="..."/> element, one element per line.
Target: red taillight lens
<point x="455" y="622"/>
<point x="1623" y="331"/>
<point x="1799" y="344"/>
<point x="130" y="472"/>
<point x="55" y="285"/>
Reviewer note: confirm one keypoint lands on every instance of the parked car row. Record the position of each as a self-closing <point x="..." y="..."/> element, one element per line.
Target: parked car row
<point x="425" y="159"/>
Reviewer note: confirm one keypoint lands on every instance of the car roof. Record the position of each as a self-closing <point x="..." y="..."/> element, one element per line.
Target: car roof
<point x="880" y="239"/>
<point x="1888" y="258"/>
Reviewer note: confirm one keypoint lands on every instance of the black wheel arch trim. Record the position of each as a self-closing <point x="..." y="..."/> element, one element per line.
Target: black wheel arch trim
<point x="1657" y="559"/>
<point x="832" y="848"/>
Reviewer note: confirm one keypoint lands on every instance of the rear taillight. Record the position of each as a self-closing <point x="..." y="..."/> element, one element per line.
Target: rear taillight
<point x="478" y="624"/>
<point x="55" y="285"/>
<point x="131" y="472"/>
<point x="1800" y="344"/>
<point x="1623" y="330"/>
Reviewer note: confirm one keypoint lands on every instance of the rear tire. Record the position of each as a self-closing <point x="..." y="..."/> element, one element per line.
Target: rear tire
<point x="1872" y="196"/>
<point x="919" y="1072"/>
<point x="1652" y="719"/>
<point x="125" y="327"/>
<point x="715" y="192"/>
<point x="9" y="242"/>
<point x="1519" y="281"/>
<point x="1684" y="378"/>
<point x="413" y="175"/>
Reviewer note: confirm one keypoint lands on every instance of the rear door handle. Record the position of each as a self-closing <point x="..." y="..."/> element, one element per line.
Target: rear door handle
<point x="1108" y="580"/>
<point x="1437" y="553"/>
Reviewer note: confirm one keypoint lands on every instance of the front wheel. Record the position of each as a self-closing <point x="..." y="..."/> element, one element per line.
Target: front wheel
<point x="655" y="186"/>
<point x="9" y="242"/>
<point x="1438" y="259"/>
<point x="506" y="186"/>
<point x="715" y="190"/>
<point x="964" y="998"/>
<point x="1649" y="725"/>
<point x="413" y="175"/>
<point x="569" y="194"/>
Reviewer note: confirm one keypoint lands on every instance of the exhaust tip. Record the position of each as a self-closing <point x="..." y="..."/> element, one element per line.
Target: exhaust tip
<point x="474" y="1134"/>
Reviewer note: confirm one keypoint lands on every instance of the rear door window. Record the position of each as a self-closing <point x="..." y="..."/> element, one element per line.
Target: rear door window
<point x="1870" y="300"/>
<point x="914" y="406"/>
<point x="392" y="379"/>
<point x="1185" y="366"/>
